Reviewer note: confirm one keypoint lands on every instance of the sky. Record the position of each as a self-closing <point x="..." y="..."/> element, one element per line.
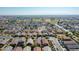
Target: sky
<point x="39" y="10"/>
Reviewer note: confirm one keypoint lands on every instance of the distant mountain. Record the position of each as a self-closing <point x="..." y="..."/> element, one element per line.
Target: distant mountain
<point x="29" y="17"/>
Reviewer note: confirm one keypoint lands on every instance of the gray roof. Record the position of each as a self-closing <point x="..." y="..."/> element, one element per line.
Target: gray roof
<point x="73" y="46"/>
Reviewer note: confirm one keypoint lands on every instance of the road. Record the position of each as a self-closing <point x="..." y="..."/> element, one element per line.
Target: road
<point x="76" y="38"/>
<point x="56" y="44"/>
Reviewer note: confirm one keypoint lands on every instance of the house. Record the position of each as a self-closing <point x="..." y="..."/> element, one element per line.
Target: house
<point x="30" y="42"/>
<point x="70" y="42"/>
<point x="38" y="42"/>
<point x="45" y="42"/>
<point x="46" y="48"/>
<point x="60" y="36"/>
<point x="17" y="49"/>
<point x="75" y="46"/>
<point x="27" y="48"/>
<point x="8" y="48"/>
<point x="37" y="49"/>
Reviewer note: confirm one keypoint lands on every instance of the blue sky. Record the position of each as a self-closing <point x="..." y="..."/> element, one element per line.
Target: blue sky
<point x="39" y="10"/>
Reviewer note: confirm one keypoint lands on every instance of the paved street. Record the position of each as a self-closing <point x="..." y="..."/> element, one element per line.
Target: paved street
<point x="68" y="32"/>
<point x="56" y="44"/>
